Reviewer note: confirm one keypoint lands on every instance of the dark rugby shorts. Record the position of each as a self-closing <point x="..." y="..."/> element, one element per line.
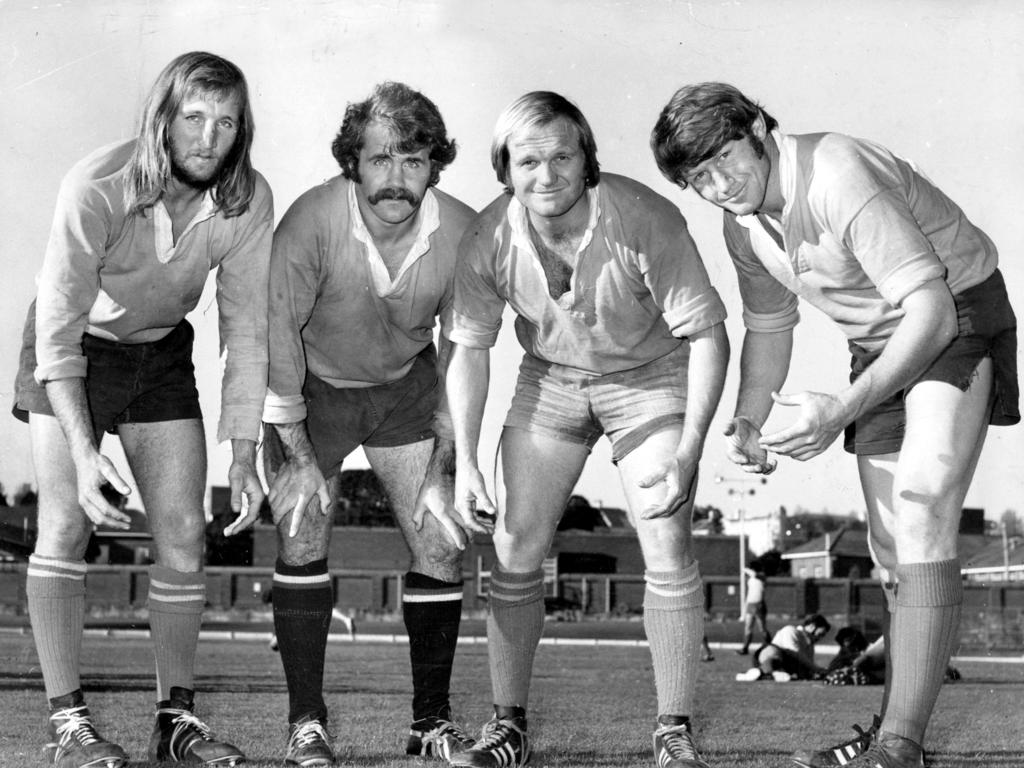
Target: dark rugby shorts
<point x="125" y="383"/>
<point x="401" y="412"/>
<point x="986" y="328"/>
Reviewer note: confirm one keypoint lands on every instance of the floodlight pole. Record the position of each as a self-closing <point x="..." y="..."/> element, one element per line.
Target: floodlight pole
<point x="743" y="527"/>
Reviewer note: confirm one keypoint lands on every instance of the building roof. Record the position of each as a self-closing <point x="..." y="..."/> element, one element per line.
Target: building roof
<point x="845" y="542"/>
<point x="992" y="555"/>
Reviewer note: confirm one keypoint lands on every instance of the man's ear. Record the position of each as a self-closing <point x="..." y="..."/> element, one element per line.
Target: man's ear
<point x="758" y="128"/>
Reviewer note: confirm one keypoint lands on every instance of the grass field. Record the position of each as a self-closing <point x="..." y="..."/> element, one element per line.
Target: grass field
<point x="590" y="706"/>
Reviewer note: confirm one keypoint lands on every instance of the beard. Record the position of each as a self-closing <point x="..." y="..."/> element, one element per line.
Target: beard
<point x="201" y="177"/>
<point x="393" y="193"/>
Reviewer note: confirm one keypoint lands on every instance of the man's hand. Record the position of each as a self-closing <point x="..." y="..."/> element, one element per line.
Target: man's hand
<point x="298" y="487"/>
<point x="472" y="502"/>
<point x="822" y="418"/>
<point x="671" y="482"/>
<point x="95" y="473"/>
<point x="435" y="497"/>
<point x="246" y="491"/>
<point x="743" y="447"/>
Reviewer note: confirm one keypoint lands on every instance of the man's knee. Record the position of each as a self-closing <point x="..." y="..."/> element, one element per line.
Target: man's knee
<point x="434" y="551"/>
<point x="311" y="542"/>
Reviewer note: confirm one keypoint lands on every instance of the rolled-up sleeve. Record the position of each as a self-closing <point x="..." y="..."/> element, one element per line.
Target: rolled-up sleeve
<point x="242" y="303"/>
<point x="70" y="279"/>
<point x="768" y="305"/>
<point x="477" y="305"/>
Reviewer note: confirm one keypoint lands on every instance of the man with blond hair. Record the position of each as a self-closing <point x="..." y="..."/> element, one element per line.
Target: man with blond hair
<point x="139" y="224"/>
<point x="623" y="336"/>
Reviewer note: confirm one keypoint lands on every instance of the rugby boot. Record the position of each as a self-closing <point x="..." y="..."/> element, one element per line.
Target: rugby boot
<point x="673" y="745"/>
<point x="180" y="736"/>
<point x="308" y="743"/>
<point x="840" y="754"/>
<point x="503" y="743"/>
<point x="436" y="737"/>
<point x="890" y="751"/>
<point x="75" y="743"/>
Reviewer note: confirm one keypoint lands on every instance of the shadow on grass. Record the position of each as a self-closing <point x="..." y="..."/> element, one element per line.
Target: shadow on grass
<point x="230" y="683"/>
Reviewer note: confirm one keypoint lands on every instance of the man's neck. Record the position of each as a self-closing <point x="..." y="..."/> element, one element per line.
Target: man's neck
<point x="569" y="227"/>
<point x="179" y="196"/>
<point x="773" y="202"/>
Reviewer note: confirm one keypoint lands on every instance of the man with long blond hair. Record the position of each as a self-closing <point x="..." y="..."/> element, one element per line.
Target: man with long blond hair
<point x="138" y="226"/>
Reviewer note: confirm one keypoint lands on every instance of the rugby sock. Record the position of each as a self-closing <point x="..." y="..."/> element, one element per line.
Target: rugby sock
<point x="176" y="601"/>
<point x="56" y="609"/>
<point x="303" y="599"/>
<point x="890" y="590"/>
<point x="674" y="623"/>
<point x="515" y="622"/>
<point x="925" y="629"/>
<point x="432" y="610"/>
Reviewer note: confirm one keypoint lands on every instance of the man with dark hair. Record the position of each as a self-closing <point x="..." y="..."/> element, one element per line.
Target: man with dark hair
<point x="624" y="336"/>
<point x="861" y="234"/>
<point x="362" y="266"/>
<point x="790" y="654"/>
<point x="138" y="226"/>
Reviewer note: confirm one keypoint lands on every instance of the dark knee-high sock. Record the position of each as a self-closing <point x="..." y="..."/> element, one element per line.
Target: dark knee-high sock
<point x="56" y="609"/>
<point x="515" y="622"/>
<point x="302" y="600"/>
<point x="176" y="602"/>
<point x="925" y="630"/>
<point x="674" y="623"/>
<point x="432" y="610"/>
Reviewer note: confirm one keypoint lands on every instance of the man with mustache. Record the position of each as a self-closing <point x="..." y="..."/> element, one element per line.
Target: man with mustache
<point x="362" y="266"/>
<point x="138" y="226"/>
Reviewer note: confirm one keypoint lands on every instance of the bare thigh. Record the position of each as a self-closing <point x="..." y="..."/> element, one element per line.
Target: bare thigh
<point x="915" y="497"/>
<point x="536" y="474"/>
<point x="63" y="529"/>
<point x="168" y="460"/>
<point x="401" y="470"/>
<point x="666" y="542"/>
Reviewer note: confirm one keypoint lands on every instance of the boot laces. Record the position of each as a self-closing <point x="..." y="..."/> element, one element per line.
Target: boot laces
<point x="77" y="727"/>
<point x="495" y="733"/>
<point x="310" y="732"/>
<point x="678" y="743"/>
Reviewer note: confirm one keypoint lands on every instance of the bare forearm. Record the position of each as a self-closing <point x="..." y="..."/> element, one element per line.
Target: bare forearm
<point x="71" y="407"/>
<point x="467" y="381"/>
<point x="709" y="358"/>
<point x="296" y="442"/>
<point x="927" y="328"/>
<point x="764" y="364"/>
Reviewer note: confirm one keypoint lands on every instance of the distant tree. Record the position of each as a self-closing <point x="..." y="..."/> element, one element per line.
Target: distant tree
<point x="579" y="515"/>
<point x="708" y="518"/>
<point x="25" y="497"/>
<point x="3" y="497"/>
<point x="361" y="500"/>
<point x="770" y="563"/>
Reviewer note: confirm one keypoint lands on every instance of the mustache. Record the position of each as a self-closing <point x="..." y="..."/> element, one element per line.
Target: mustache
<point x="393" y="193"/>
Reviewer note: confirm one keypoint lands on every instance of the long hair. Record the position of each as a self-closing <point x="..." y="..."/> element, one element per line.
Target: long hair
<point x="412" y="121"/>
<point x="540" y="108"/>
<point x="149" y="169"/>
<point x="698" y="121"/>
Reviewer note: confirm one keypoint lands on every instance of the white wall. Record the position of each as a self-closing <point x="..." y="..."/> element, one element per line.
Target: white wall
<point x="937" y="81"/>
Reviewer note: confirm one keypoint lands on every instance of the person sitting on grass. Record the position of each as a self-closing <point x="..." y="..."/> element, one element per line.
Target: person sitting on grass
<point x="790" y="654"/>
